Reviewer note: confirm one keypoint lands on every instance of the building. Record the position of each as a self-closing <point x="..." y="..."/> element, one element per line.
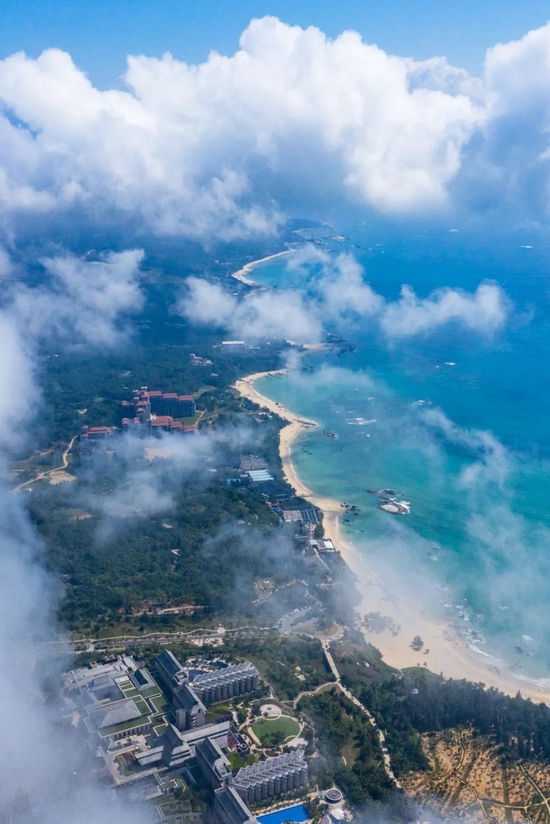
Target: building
<point x="230" y="807"/>
<point x="272" y="777"/>
<point x="197" y="360"/>
<point x="226" y="683"/>
<point x="322" y="544"/>
<point x="170" y="671"/>
<point x="175" y="748"/>
<point x="249" y="462"/>
<point x="260" y="476"/>
<point x="190" y="711"/>
<point x="294" y="510"/>
<point x="213" y="763"/>
<point x="186" y="406"/>
<point x="156" y="411"/>
<point x="95" y="433"/>
<point x="170" y="404"/>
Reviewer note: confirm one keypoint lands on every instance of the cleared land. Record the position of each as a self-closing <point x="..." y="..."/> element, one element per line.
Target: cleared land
<point x="469" y="780"/>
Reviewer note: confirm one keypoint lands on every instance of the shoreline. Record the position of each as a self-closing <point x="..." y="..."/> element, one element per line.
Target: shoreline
<point x="242" y="274"/>
<point x="449" y="653"/>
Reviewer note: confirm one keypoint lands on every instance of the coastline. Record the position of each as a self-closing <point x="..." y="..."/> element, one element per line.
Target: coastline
<point x="449" y="653"/>
<point x="242" y="274"/>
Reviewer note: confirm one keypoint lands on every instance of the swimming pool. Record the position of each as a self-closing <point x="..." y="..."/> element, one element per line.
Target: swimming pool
<point x="297" y="813"/>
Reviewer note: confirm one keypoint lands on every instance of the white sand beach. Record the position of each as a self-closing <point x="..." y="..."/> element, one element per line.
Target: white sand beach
<point x="243" y="274"/>
<point x="448" y="653"/>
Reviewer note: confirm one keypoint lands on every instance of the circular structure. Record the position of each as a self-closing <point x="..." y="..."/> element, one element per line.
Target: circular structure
<point x="271" y="711"/>
<point x="333" y="796"/>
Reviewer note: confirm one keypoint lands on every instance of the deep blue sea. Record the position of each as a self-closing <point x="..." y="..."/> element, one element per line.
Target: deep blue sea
<point x="478" y="536"/>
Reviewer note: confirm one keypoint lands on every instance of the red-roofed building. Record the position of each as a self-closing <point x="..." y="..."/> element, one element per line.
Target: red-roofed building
<point x="94" y="433"/>
<point x="162" y="422"/>
<point x="170" y="404"/>
<point x="186" y="406"/>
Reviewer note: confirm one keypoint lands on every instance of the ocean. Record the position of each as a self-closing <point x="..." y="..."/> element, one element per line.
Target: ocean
<point x="477" y="539"/>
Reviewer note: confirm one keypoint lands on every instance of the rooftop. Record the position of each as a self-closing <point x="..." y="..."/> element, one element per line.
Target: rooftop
<point x="233" y="806"/>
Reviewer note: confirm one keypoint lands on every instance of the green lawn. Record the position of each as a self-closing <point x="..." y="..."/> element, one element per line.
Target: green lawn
<point x="264" y="728"/>
<point x="236" y="761"/>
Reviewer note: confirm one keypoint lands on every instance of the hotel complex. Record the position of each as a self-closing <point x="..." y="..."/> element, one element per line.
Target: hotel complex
<point x="128" y="712"/>
<point x="152" y="412"/>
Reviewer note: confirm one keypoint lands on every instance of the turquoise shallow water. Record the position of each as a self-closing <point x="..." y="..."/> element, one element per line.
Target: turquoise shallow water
<point x="487" y="538"/>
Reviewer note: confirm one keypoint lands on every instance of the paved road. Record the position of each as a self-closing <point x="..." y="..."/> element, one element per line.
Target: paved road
<point x="381" y="737"/>
<point x="159" y="637"/>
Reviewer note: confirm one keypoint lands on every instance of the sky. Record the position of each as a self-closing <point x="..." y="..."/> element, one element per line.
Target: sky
<point x="100" y="34"/>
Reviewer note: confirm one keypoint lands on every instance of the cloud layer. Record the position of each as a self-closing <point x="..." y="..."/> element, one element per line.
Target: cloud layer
<point x="338" y="295"/>
<point x="292" y="120"/>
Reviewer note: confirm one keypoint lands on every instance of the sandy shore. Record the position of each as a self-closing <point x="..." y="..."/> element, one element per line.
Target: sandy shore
<point x="448" y="653"/>
<point x="243" y="274"/>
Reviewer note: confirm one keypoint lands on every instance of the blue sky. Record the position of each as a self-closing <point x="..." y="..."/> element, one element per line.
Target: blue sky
<point x="99" y="33"/>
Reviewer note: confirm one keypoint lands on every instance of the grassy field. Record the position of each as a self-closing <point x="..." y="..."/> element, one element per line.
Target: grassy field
<point x="264" y="728"/>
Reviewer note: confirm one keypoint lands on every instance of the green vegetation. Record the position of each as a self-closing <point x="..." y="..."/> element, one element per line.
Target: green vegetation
<point x="276" y="730"/>
<point x="350" y="755"/>
<point x="278" y="659"/>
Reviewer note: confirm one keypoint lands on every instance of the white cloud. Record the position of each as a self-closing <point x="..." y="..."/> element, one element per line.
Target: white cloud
<point x="492" y="464"/>
<point x="484" y="311"/>
<point x="203" y="150"/>
<point x="50" y="772"/>
<point x="84" y="300"/>
<point x="335" y="292"/>
<point x="261" y="315"/>
<point x="292" y="120"/>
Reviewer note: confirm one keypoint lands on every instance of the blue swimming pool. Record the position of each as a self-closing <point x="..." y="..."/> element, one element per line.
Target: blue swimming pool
<point x="297" y="813"/>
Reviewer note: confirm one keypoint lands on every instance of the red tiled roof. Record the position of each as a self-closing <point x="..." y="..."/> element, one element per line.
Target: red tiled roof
<point x="185" y="398"/>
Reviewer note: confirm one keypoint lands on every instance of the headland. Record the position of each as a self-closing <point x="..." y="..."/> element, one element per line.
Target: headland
<point x="444" y="650"/>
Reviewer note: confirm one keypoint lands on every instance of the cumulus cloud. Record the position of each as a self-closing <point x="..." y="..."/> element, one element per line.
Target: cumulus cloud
<point x="335" y="292"/>
<point x="218" y="149"/>
<point x="260" y="315"/>
<point x="292" y="120"/>
<point x="83" y="300"/>
<point x="483" y="311"/>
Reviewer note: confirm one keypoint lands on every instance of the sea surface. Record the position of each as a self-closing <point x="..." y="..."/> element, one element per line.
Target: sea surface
<point x="477" y="539"/>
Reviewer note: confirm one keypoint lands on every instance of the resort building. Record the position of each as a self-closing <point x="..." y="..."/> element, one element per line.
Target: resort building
<point x="153" y="412"/>
<point x="272" y="777"/>
<point x="226" y="683"/>
<point x="260" y="476"/>
<point x="175" y="748"/>
<point x="190" y="711"/>
<point x="96" y="433"/>
<point x="170" y="671"/>
<point x="213" y="763"/>
<point x="230" y="808"/>
<point x="252" y="462"/>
